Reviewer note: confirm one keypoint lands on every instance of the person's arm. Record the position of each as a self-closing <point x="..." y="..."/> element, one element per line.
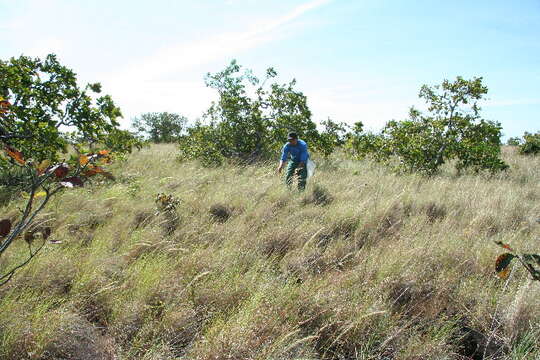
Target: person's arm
<point x="283" y="161"/>
<point x="303" y="155"/>
<point x="280" y="167"/>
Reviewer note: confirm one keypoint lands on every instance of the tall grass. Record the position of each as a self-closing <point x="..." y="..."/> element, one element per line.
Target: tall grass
<point x="365" y="264"/>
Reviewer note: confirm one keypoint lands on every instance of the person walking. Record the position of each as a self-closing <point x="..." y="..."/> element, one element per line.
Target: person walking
<point x="297" y="150"/>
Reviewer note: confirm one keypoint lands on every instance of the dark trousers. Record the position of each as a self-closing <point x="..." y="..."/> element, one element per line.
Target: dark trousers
<point x="292" y="170"/>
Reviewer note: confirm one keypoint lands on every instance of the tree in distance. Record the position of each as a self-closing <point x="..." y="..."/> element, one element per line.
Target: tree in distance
<point x="530" y="144"/>
<point x="160" y="127"/>
<point x="451" y="130"/>
<point x="513" y="141"/>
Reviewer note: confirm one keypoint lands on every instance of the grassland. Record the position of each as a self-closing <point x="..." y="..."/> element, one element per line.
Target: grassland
<point x="365" y="264"/>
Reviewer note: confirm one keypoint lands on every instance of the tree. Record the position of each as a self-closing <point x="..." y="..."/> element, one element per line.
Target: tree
<point x="333" y="135"/>
<point x="361" y="144"/>
<point x="513" y="141"/>
<point x="251" y="118"/>
<point x="530" y="144"/>
<point x="37" y="99"/>
<point x="43" y="98"/>
<point x="162" y="127"/>
<point x="453" y="130"/>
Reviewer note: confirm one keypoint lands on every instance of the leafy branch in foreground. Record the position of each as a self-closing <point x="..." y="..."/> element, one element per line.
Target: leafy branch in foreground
<point x="43" y="181"/>
<point x="40" y="99"/>
<point x="531" y="262"/>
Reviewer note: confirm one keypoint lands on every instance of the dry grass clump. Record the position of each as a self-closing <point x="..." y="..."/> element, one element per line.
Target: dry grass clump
<point x="220" y="212"/>
<point x="365" y="264"/>
<point x="318" y="195"/>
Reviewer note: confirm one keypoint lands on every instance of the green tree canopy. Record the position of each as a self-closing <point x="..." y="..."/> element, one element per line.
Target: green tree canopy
<point x="451" y="130"/>
<point x="43" y="98"/>
<point x="251" y="118"/>
<point x="530" y="144"/>
<point x="160" y="127"/>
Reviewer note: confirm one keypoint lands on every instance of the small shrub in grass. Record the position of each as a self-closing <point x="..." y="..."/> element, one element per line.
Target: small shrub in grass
<point x="435" y="211"/>
<point x="220" y="212"/>
<point x="319" y="196"/>
<point x="276" y="245"/>
<point x="166" y="206"/>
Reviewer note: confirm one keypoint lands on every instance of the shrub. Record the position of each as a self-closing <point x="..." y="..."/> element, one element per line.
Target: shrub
<point x="530" y="144"/>
<point x="513" y="141"/>
<point x="453" y="130"/>
<point x="251" y="119"/>
<point x="162" y="127"/>
<point x="361" y="144"/>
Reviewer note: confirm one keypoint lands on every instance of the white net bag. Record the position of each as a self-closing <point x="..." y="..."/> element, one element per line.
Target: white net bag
<point x="310" y="168"/>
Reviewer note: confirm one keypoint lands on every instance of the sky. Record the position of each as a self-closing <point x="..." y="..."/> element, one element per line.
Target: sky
<point x="355" y="60"/>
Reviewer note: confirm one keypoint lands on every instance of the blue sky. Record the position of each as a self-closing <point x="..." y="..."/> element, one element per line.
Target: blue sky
<point x="355" y="60"/>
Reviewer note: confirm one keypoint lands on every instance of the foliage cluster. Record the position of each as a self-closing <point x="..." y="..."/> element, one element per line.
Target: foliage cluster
<point x="452" y="131"/>
<point x="531" y="262"/>
<point x="44" y="112"/>
<point x="42" y="181"/>
<point x="251" y="119"/>
<point x="43" y="98"/>
<point x="160" y="127"/>
<point x="530" y="144"/>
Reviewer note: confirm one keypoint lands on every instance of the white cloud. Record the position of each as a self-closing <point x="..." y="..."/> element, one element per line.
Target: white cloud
<point x="184" y="56"/>
<point x="148" y="85"/>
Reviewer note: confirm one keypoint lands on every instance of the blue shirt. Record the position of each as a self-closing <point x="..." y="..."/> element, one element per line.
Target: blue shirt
<point x="298" y="153"/>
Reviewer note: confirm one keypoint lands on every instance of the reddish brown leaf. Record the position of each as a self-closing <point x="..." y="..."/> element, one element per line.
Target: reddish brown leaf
<point x="103" y="152"/>
<point x="89" y="173"/>
<point x="72" y="182"/>
<point x="4" y="106"/>
<point x="15" y="155"/>
<point x="46" y="232"/>
<point x="504" y="246"/>
<point x="92" y="170"/>
<point x="98" y="170"/>
<point x="29" y="237"/>
<point x="5" y="227"/>
<point x="501" y="265"/>
<point x="61" y="170"/>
